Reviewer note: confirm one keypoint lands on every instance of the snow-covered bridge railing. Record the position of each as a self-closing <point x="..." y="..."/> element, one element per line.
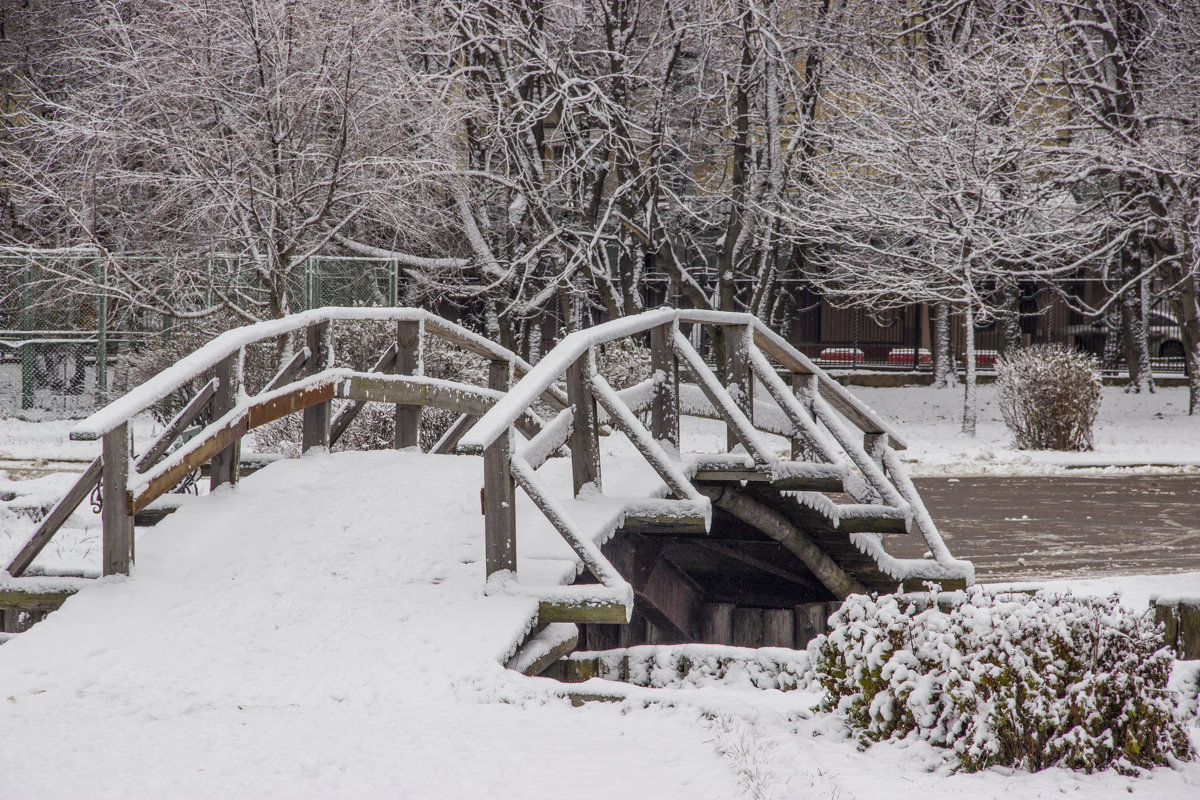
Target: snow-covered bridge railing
<point x="307" y="383"/>
<point x="838" y="445"/>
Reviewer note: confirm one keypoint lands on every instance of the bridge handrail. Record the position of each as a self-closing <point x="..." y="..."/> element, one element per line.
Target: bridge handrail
<point x="128" y="406"/>
<point x="543" y="376"/>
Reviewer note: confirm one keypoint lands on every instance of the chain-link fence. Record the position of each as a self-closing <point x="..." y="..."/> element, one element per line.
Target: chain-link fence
<point x="67" y="347"/>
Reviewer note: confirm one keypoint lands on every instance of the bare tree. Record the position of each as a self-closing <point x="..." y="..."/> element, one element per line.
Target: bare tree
<point x="226" y="140"/>
<point x="1132" y="73"/>
<point x="936" y="185"/>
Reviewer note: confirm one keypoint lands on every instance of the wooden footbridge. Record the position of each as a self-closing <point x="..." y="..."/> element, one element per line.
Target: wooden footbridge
<point x="746" y="546"/>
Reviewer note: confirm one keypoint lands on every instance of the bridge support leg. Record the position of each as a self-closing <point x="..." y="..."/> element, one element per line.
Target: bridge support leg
<point x="738" y="378"/>
<point x="664" y="414"/>
<point x="115" y="518"/>
<point x="229" y="377"/>
<point x="584" y="440"/>
<point x="317" y="417"/>
<point x="408" y="356"/>
<point x="499" y="507"/>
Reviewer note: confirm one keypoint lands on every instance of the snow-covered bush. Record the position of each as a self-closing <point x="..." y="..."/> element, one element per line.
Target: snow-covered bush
<point x="1049" y="396"/>
<point x="1014" y="680"/>
<point x="690" y="666"/>
<point x="623" y="363"/>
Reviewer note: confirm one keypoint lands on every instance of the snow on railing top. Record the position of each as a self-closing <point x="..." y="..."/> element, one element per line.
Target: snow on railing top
<point x="550" y="369"/>
<point x="555" y="363"/>
<point x="143" y="397"/>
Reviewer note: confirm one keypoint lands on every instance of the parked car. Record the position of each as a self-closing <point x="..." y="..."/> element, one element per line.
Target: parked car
<point x="1163" y="335"/>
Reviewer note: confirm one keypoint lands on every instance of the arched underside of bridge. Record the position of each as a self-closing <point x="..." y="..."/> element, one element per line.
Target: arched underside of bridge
<point x="751" y="547"/>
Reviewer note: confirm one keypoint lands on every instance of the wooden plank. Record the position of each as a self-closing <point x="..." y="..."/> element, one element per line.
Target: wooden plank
<point x="176" y="426"/>
<point x="551" y="655"/>
<point x="809" y="623"/>
<point x="225" y="462"/>
<point x="408" y="358"/>
<point x="584" y="439"/>
<point x="500" y="508"/>
<point x="665" y="524"/>
<point x="717" y="624"/>
<point x="189" y="462"/>
<point x="747" y="627"/>
<point x="671" y="602"/>
<point x="779" y="628"/>
<point x="1188" y="643"/>
<point x="784" y="355"/>
<point x="23" y="600"/>
<point x="116" y="517"/>
<point x="317" y="417"/>
<point x="264" y="411"/>
<point x="55" y="519"/>
<point x="611" y="613"/>
<point x="732" y="474"/>
<point x="1167" y="614"/>
<point x="664" y="412"/>
<point x="417" y="392"/>
<point x="864" y="523"/>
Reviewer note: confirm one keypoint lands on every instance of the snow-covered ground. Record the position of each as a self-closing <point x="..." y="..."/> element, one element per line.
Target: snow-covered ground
<point x="321" y="631"/>
<point x="1145" y="432"/>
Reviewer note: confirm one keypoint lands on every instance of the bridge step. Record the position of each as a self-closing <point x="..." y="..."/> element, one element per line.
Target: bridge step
<point x="611" y="613"/>
<point x="543" y="647"/>
<point x="785" y="476"/>
<point x="22" y="606"/>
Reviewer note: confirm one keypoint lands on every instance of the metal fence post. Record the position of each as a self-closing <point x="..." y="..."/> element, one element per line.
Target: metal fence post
<point x="101" y="337"/>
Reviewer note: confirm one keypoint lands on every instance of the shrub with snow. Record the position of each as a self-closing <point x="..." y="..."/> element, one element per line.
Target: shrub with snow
<point x="1013" y="680"/>
<point x="623" y="363"/>
<point x="1049" y="396"/>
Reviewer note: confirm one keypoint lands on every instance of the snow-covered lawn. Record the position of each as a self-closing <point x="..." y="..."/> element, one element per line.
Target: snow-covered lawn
<point x="1140" y="431"/>
<point x="321" y="632"/>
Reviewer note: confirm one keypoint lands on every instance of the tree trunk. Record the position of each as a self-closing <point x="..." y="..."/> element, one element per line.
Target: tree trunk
<point x="1133" y="328"/>
<point x="1008" y="320"/>
<point x="969" y="400"/>
<point x="1187" y="307"/>
<point x="943" y="361"/>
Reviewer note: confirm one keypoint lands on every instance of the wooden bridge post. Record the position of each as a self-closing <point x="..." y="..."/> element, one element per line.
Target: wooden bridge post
<point x="229" y="379"/>
<point x="585" y="435"/>
<point x="664" y="414"/>
<point x="499" y="489"/>
<point x="804" y="386"/>
<point x="499" y="507"/>
<point x="116" y="521"/>
<point x="317" y="417"/>
<point x="738" y="378"/>
<point x="408" y="356"/>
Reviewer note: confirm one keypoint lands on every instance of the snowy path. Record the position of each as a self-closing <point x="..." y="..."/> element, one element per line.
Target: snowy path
<point x="318" y="632"/>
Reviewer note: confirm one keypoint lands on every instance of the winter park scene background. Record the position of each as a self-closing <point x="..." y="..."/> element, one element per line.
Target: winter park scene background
<point x="722" y="398"/>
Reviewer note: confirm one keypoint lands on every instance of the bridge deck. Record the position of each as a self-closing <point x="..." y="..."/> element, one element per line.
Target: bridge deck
<point x="321" y="626"/>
